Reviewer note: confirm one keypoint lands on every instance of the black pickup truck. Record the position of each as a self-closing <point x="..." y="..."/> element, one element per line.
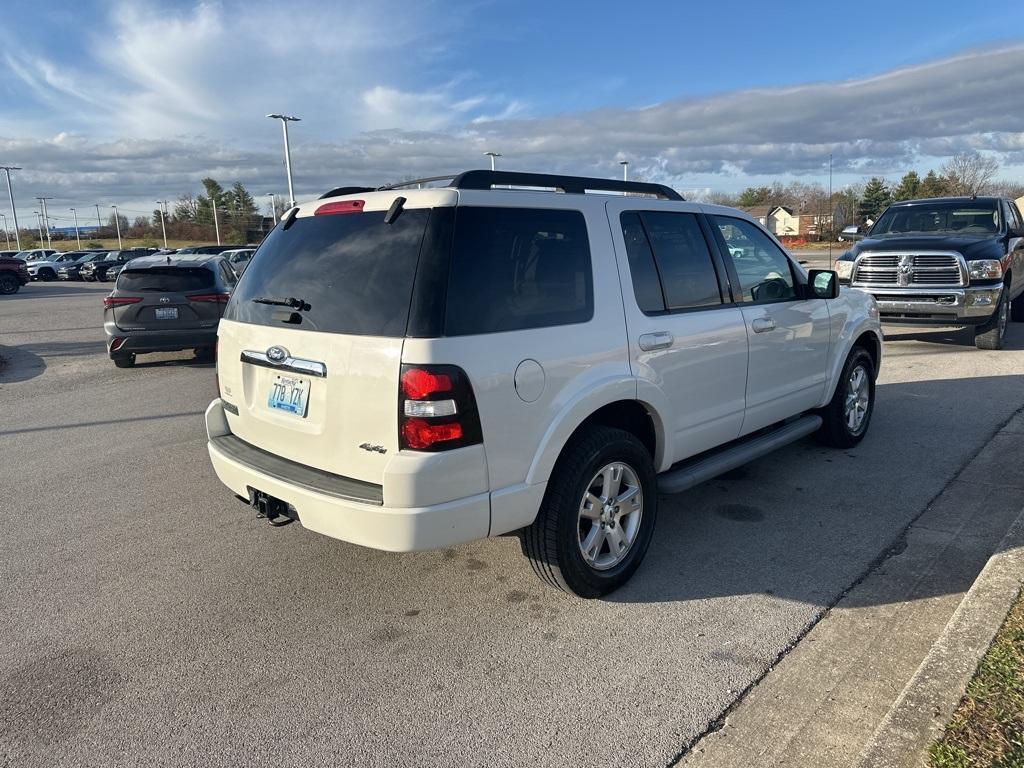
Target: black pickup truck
<point x="954" y="261"/>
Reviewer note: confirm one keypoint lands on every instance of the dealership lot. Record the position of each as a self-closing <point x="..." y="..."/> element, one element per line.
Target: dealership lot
<point x="151" y="618"/>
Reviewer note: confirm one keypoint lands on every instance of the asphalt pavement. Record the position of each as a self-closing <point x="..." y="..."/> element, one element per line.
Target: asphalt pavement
<point x="150" y="619"/>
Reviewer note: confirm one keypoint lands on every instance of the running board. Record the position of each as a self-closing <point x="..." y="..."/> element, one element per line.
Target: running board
<point x="687" y="476"/>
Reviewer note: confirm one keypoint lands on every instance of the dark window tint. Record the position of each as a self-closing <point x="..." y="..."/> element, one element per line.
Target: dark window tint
<point x="354" y="271"/>
<point x="165" y="279"/>
<point x="976" y="217"/>
<point x="684" y="260"/>
<point x="763" y="269"/>
<point x="515" y="268"/>
<point x="646" y="285"/>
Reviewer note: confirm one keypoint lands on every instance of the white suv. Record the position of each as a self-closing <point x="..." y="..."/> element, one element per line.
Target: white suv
<point x="408" y="369"/>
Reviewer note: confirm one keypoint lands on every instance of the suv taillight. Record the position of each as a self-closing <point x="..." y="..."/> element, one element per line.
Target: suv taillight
<point x="436" y="409"/>
<point x="120" y="301"/>
<point x="219" y="298"/>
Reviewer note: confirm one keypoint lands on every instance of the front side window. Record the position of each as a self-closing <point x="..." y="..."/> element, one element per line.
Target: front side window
<point x="764" y="271"/>
<point x="518" y="268"/>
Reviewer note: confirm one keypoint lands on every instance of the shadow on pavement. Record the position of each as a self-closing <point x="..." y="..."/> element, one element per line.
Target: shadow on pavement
<point x="958" y="337"/>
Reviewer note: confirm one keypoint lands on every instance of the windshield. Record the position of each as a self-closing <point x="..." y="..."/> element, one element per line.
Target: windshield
<point x="351" y="273"/>
<point x="959" y="218"/>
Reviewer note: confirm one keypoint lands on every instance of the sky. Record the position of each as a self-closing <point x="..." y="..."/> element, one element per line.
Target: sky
<point x="115" y="102"/>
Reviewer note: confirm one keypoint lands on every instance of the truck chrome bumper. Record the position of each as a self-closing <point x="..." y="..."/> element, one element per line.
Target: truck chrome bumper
<point x="935" y="306"/>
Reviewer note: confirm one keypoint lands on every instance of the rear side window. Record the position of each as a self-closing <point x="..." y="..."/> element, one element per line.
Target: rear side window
<point x="518" y="268"/>
<point x="165" y="280"/>
<point x="684" y="261"/>
<point x="353" y="271"/>
<point x="646" y="283"/>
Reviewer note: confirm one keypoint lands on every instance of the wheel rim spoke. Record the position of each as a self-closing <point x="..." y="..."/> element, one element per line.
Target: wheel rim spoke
<point x="609" y="515"/>
<point x="592" y="545"/>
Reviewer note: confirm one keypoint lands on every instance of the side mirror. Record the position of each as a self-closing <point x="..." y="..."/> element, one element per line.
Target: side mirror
<point x="822" y="284"/>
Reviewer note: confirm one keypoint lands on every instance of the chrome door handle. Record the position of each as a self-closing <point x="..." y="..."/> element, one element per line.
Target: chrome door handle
<point x="762" y="324"/>
<point x="659" y="340"/>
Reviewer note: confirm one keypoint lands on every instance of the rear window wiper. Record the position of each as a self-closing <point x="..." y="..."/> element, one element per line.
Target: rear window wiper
<point x="298" y="304"/>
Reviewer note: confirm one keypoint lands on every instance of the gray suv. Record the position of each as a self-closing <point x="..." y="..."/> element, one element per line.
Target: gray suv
<point x="166" y="304"/>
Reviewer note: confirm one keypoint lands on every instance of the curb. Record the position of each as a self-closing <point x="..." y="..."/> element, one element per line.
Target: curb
<point x="924" y="707"/>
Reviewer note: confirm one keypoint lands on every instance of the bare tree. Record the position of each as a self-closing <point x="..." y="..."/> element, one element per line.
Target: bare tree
<point x="970" y="173"/>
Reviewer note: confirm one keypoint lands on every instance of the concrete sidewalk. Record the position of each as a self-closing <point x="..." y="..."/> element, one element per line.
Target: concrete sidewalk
<point x="829" y="701"/>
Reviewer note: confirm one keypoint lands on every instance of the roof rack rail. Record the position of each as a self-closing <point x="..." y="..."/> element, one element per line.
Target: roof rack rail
<point x="569" y="184"/>
<point x="411" y="182"/>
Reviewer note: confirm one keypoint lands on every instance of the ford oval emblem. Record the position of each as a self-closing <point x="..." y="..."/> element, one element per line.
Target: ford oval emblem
<point x="277" y="354"/>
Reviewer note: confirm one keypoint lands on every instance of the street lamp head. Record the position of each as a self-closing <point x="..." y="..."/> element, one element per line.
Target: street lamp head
<point x="492" y="154"/>
<point x="623" y="162"/>
<point x="285" y="117"/>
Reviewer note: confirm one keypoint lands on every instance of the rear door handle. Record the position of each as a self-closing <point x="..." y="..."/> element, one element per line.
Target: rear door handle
<point x="658" y="340"/>
<point x="762" y="324"/>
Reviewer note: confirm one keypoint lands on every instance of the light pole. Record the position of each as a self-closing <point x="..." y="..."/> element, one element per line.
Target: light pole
<point x="117" y="223"/>
<point x="163" y="227"/>
<point x="285" y="119"/>
<point x="216" y="224"/>
<point x="273" y="206"/>
<point x="492" y="155"/>
<point x="99" y="221"/>
<point x="625" y="169"/>
<point x="14" y="211"/>
<point x="46" y="218"/>
<point x="77" y="236"/>
<point x="7" y="234"/>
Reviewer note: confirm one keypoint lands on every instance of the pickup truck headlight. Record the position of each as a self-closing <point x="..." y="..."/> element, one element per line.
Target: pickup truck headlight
<point x="985" y="269"/>
<point x="844" y="269"/>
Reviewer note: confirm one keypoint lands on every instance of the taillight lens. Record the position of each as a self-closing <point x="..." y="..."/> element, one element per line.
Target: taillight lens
<point x="342" y="206"/>
<point x="120" y="301"/>
<point x="436" y="410"/>
<point x="217" y="298"/>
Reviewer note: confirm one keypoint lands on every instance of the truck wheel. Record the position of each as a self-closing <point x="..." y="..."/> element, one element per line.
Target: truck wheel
<point x="47" y="274"/>
<point x="8" y="284"/>
<point x="992" y="333"/>
<point x="845" y="419"/>
<point x="598" y="514"/>
<point x="124" y="361"/>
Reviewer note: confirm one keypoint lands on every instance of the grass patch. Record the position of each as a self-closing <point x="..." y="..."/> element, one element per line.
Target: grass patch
<point x="987" y="728"/>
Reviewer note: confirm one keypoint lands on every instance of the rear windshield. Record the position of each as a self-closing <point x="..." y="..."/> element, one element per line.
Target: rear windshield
<point x="352" y="272"/>
<point x="165" y="279"/>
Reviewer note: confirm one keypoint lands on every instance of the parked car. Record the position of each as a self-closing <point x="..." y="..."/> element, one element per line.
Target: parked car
<point x="46" y="268"/>
<point x="409" y="368"/>
<point x="239" y="259"/>
<point x="96" y="270"/>
<point x="166" y="303"/>
<point x="851" y="233"/>
<point x="955" y="261"/>
<point x="210" y="249"/>
<point x="13" y="275"/>
<point x="72" y="270"/>
<point x="35" y="253"/>
<point x="9" y="254"/>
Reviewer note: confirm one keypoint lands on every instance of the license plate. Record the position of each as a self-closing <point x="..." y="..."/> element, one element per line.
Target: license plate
<point x="166" y="313"/>
<point x="289" y="395"/>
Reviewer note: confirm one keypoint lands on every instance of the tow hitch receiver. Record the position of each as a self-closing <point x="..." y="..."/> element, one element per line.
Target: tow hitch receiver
<point x="277" y="512"/>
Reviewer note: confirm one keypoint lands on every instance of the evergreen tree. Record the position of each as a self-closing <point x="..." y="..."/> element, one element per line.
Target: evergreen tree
<point x="909" y="187"/>
<point x="933" y="185"/>
<point x="876" y="198"/>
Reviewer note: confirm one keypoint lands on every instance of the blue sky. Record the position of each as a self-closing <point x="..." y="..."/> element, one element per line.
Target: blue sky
<point x="129" y="101"/>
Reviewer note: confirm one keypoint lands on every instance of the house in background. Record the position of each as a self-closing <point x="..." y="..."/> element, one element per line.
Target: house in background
<point x="783" y="221"/>
<point x="759" y="213"/>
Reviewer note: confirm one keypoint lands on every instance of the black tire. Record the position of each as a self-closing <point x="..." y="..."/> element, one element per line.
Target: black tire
<point x="552" y="543"/>
<point x="992" y="333"/>
<point x="47" y="275"/>
<point x="124" y="361"/>
<point x="9" y="284"/>
<point x="835" y="430"/>
<point x="204" y="353"/>
<point x="1017" y="309"/>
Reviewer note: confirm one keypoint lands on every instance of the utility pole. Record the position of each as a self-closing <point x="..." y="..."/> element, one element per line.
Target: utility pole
<point x="10" y="192"/>
<point x="273" y="206"/>
<point x="216" y="225"/>
<point x="625" y="169"/>
<point x="77" y="236"/>
<point x="46" y="219"/>
<point x="492" y="155"/>
<point x="163" y="227"/>
<point x="99" y="221"/>
<point x="6" y="233"/>
<point x="831" y="213"/>
<point x="285" y="119"/>
<point x="117" y="223"/>
<point x="39" y="223"/>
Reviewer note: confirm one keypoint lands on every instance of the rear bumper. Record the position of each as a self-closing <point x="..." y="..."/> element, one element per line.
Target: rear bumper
<point x="936" y="306"/>
<point x="369" y="524"/>
<point x="158" y="341"/>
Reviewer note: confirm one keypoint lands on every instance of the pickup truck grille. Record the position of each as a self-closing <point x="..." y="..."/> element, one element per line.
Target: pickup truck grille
<point x="900" y="270"/>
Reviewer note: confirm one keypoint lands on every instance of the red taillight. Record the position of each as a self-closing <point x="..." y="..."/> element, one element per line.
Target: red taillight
<point x="120" y="301"/>
<point x="420" y="434"/>
<point x="342" y="206"/>
<point x="219" y="298"/>
<point x="418" y="383"/>
<point x="436" y="409"/>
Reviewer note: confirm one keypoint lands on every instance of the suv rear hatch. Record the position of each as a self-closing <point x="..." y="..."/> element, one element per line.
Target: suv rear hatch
<point x="170" y="298"/>
<point x="310" y="346"/>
